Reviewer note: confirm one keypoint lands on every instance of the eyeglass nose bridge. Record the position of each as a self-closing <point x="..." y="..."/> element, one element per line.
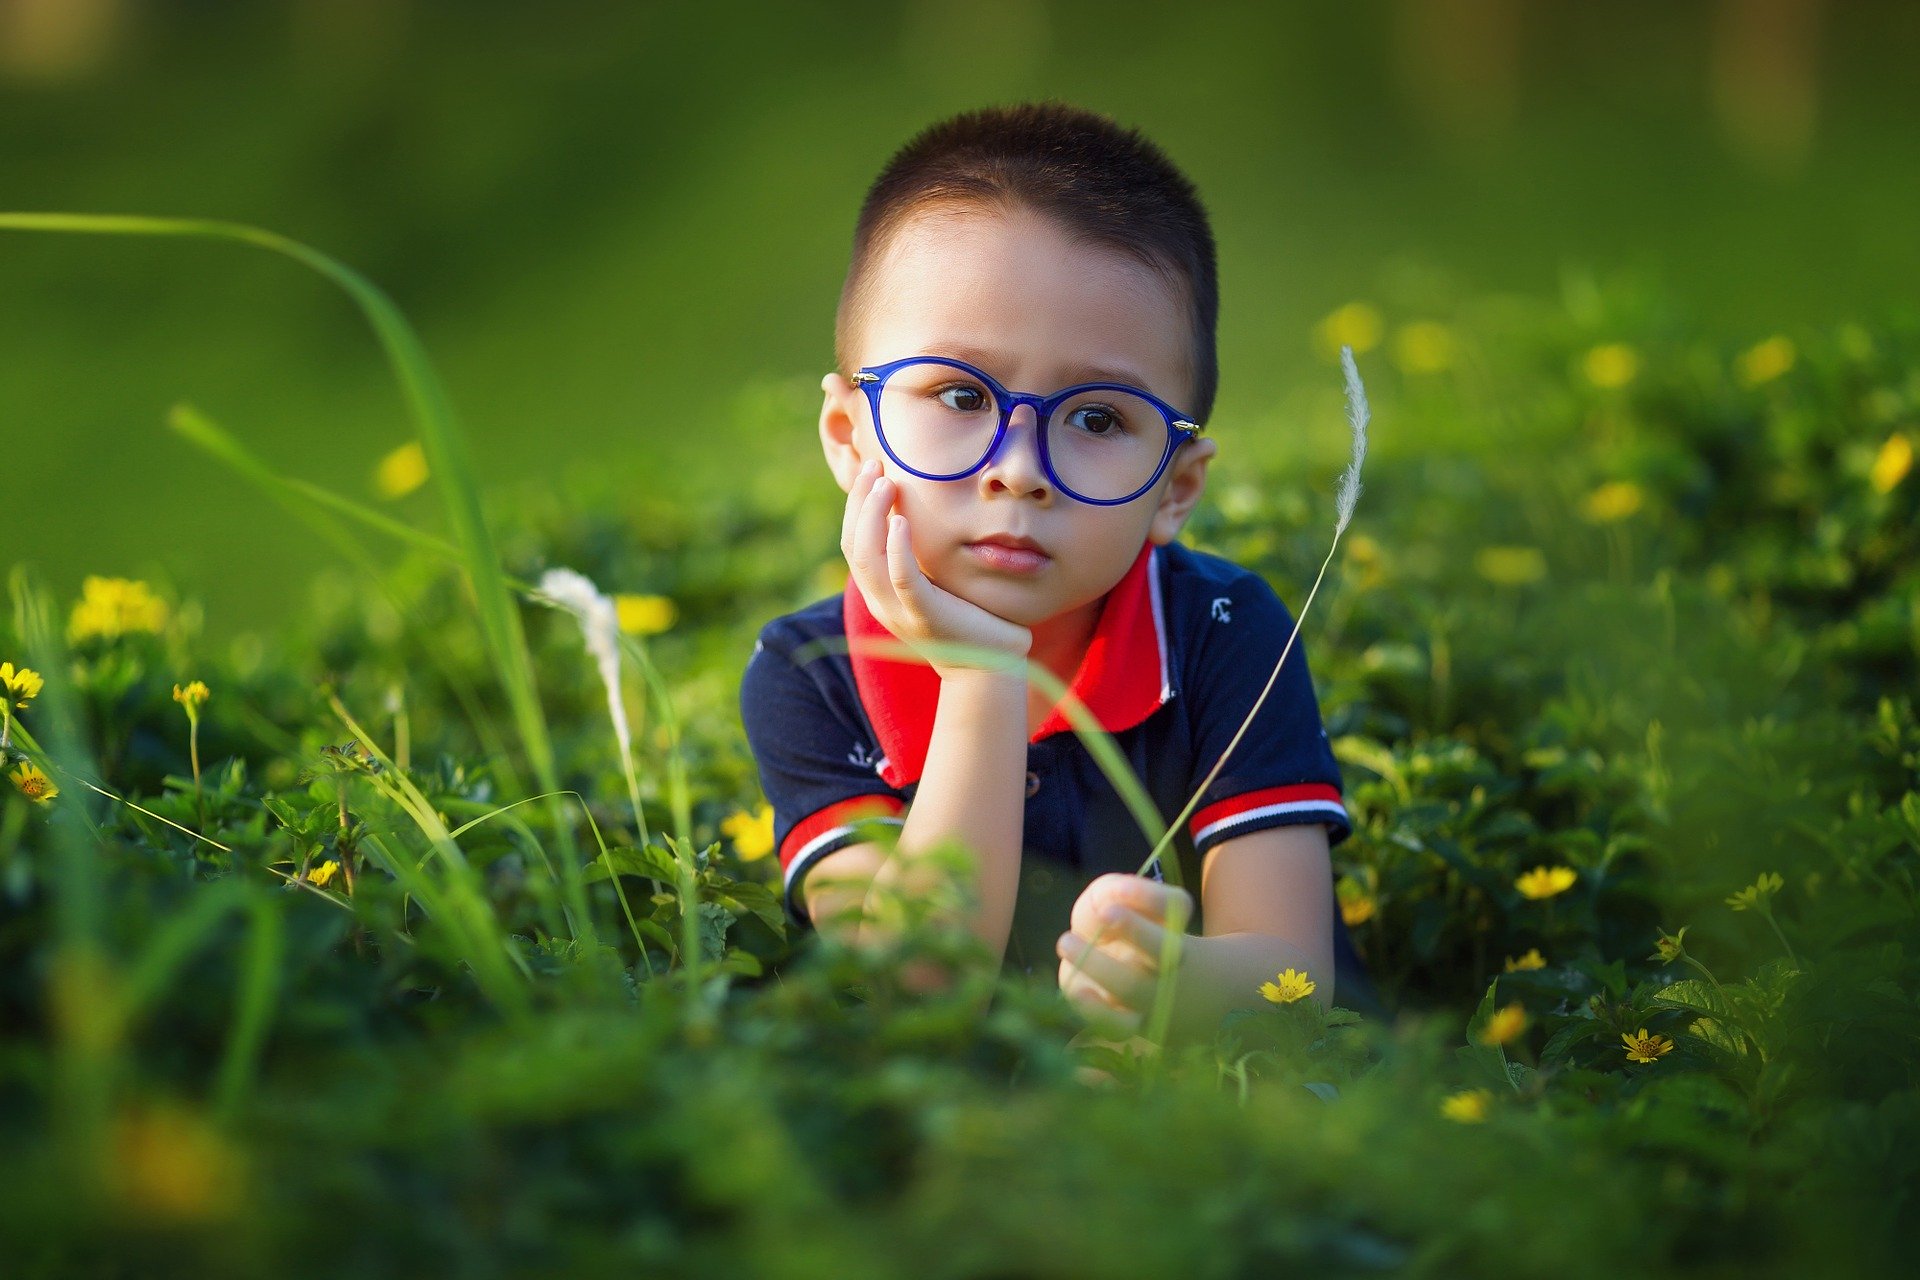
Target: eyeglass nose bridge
<point x="1012" y="400"/>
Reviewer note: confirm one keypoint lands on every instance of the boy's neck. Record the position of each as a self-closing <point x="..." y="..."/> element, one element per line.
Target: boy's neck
<point x="1060" y="645"/>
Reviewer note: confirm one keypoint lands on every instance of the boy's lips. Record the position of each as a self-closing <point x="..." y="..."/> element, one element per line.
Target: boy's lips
<point x="1012" y="553"/>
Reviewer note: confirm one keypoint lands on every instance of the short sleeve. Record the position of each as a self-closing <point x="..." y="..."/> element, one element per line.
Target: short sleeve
<point x="1282" y="771"/>
<point x="815" y="759"/>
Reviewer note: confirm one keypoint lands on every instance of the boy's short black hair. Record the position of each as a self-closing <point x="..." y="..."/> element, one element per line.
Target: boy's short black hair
<point x="1102" y="182"/>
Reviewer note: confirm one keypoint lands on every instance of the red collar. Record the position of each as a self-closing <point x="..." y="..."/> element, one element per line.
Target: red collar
<point x="1123" y="678"/>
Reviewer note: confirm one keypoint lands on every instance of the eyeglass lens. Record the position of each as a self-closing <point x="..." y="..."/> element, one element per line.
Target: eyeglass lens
<point x="940" y="420"/>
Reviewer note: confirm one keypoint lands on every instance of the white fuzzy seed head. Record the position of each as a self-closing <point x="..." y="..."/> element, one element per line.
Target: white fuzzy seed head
<point x="1357" y="417"/>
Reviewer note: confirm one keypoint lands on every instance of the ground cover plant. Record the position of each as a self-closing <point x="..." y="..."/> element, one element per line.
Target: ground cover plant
<point x="393" y="940"/>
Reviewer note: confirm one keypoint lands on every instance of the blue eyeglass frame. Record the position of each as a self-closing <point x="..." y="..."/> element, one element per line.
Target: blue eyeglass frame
<point x="1180" y="428"/>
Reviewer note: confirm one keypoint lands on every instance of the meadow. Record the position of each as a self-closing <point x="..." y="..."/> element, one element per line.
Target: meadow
<point x="362" y="942"/>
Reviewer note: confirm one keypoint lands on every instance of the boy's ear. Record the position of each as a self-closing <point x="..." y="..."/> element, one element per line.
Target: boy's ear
<point x="841" y="430"/>
<point x="1189" y="480"/>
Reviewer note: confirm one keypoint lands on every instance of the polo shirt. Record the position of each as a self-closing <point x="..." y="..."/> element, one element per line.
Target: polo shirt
<point x="1184" y="645"/>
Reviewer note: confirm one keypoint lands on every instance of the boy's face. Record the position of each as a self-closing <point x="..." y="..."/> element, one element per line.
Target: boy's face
<point x="1010" y="293"/>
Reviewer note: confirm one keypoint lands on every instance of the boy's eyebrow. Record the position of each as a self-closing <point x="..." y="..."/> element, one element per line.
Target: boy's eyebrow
<point x="1076" y="374"/>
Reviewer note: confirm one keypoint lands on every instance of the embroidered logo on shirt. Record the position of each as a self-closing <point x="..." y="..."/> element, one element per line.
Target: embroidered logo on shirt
<point x="1220" y="604"/>
<point x="863" y="756"/>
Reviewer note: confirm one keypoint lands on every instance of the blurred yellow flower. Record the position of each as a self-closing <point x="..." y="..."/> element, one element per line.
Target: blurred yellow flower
<point x="33" y="784"/>
<point x="751" y="833"/>
<point x="112" y="607"/>
<point x="1356" y="904"/>
<point x="1611" y="365"/>
<point x="1765" y="361"/>
<point x="168" y="1164"/>
<point x="19" y="686"/>
<point x="1510" y="566"/>
<point x="1423" y="346"/>
<point x="1504" y="1025"/>
<point x="319" y="876"/>
<point x="1469" y="1106"/>
<point x="402" y="471"/>
<point x="1642" y="1047"/>
<point x="644" y="615"/>
<point x="1290" y="985"/>
<point x="1891" y="464"/>
<point x="1532" y="959"/>
<point x="1544" y="882"/>
<point x="1614" y="500"/>
<point x="1756" y="894"/>
<point x="1357" y="325"/>
<point x="193" y="697"/>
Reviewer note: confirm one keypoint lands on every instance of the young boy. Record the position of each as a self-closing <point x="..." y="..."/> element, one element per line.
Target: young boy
<point x="1026" y="356"/>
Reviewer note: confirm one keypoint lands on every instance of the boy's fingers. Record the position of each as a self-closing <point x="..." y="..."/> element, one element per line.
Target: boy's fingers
<point x="1097" y="1006"/>
<point x="902" y="569"/>
<point x="870" y="551"/>
<point x="1129" y="982"/>
<point x="856" y="497"/>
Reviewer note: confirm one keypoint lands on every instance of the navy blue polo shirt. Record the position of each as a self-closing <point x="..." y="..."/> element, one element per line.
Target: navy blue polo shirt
<point x="1184" y="645"/>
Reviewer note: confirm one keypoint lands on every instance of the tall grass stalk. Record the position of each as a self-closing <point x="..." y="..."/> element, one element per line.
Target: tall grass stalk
<point x="448" y="459"/>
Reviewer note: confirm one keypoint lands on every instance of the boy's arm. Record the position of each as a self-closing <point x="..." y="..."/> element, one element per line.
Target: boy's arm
<point x="972" y="786"/>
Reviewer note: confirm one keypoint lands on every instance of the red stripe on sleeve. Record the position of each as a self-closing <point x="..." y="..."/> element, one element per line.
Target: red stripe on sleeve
<point x="837" y="814"/>
<point x="1259" y="799"/>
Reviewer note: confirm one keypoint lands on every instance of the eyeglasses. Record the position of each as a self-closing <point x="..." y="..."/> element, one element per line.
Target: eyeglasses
<point x="1100" y="442"/>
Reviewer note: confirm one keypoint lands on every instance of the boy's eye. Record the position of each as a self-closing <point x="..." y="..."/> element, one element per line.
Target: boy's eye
<point x="965" y="399"/>
<point x="1097" y="420"/>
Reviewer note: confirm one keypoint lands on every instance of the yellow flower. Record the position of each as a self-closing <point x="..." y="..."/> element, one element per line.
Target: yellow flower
<point x="1469" y="1106"/>
<point x="1510" y="566"/>
<point x="1755" y="894"/>
<point x="751" y="833"/>
<point x="1423" y="347"/>
<point x="1642" y="1047"/>
<point x="33" y="784"/>
<point x="1544" y="882"/>
<point x="1357" y="325"/>
<point x="1765" y="361"/>
<point x="112" y="607"/>
<point x="1891" y="464"/>
<point x="1611" y="365"/>
<point x="402" y="471"/>
<point x="1532" y="959"/>
<point x="1356" y="904"/>
<point x="1614" y="500"/>
<point x="193" y="697"/>
<point x="1291" y="985"/>
<point x="1504" y="1025"/>
<point x="22" y="684"/>
<point x="319" y="876"/>
<point x="644" y="615"/>
<point x="170" y="1165"/>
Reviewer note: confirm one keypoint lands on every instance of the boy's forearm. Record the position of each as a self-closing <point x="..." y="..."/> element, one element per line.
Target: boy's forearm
<point x="1223" y="972"/>
<point x="972" y="789"/>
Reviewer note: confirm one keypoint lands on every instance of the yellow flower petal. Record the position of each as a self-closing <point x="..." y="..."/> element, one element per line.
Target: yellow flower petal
<point x="1545" y="882"/>
<point x="1423" y="347"/>
<point x="1504" y="1025"/>
<point x="113" y="607"/>
<point x="1531" y="960"/>
<point x="319" y="876"/>
<point x="1357" y="325"/>
<point x="20" y="685"/>
<point x="1510" y="566"/>
<point x="1614" y="500"/>
<point x="1765" y="361"/>
<point x="402" y="471"/>
<point x="1289" y="985"/>
<point x="1891" y="464"/>
<point x="1469" y="1106"/>
<point x="33" y="784"/>
<point x="645" y="615"/>
<point x="1611" y="365"/>
<point x="752" y="834"/>
<point x="1642" y="1047"/>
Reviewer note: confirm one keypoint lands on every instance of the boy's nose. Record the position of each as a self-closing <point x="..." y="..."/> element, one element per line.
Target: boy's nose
<point x="1016" y="463"/>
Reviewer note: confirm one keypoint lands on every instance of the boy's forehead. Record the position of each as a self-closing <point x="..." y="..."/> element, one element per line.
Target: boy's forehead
<point x="1017" y="295"/>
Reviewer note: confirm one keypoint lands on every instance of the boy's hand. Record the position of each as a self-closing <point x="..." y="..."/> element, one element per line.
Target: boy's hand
<point x="1112" y="984"/>
<point x="879" y="553"/>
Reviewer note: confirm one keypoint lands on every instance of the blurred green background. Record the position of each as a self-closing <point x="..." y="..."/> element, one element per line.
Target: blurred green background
<point x="621" y="229"/>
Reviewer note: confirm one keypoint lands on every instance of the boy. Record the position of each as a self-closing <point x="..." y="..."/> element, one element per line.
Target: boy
<point x="1026" y="357"/>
